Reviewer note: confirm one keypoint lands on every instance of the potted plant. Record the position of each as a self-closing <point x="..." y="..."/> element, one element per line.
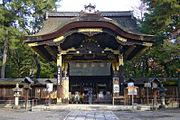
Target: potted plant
<point x="77" y="97"/>
<point x="72" y="99"/>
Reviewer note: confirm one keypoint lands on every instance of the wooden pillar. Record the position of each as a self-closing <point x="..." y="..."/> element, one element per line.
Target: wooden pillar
<point x="59" y="78"/>
<point x="26" y="99"/>
<point x="115" y="80"/>
<point x="121" y="75"/>
<point x="65" y="84"/>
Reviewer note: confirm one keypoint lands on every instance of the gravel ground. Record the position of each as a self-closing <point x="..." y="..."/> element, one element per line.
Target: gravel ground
<point x="168" y="114"/>
<point x="9" y="114"/>
<point x="6" y="114"/>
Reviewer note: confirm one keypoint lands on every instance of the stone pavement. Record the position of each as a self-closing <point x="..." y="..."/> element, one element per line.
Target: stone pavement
<point x="91" y="115"/>
<point x="12" y="114"/>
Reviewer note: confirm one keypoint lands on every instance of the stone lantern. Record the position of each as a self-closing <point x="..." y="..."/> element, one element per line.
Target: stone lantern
<point x="155" y="84"/>
<point x="17" y="91"/>
<point x="27" y="87"/>
<point x="162" y="91"/>
<point x="147" y="85"/>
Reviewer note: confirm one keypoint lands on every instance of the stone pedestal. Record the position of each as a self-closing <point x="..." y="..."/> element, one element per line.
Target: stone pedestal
<point x="16" y="101"/>
<point x="65" y="89"/>
<point x="59" y="94"/>
<point x="17" y="95"/>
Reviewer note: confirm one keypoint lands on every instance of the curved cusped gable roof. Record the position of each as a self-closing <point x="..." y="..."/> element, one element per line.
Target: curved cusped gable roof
<point x="58" y="23"/>
<point x="118" y="28"/>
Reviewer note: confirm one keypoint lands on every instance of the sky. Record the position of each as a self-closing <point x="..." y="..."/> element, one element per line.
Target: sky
<point x="101" y="5"/>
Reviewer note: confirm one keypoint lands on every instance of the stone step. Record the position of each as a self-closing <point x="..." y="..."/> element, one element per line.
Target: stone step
<point x="90" y="107"/>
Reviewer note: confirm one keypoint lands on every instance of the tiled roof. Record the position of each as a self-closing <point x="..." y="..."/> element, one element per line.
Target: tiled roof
<point x="122" y="19"/>
<point x="137" y="81"/>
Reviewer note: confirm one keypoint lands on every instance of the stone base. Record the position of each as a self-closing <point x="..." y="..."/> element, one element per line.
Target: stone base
<point x="16" y="107"/>
<point x="93" y="107"/>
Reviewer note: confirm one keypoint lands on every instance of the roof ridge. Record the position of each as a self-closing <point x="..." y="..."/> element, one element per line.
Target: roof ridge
<point x="76" y="13"/>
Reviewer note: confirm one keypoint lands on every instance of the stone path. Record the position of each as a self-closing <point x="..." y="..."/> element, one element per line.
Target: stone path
<point x="91" y="115"/>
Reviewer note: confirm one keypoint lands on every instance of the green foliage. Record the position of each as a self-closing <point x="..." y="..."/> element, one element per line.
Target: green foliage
<point x="48" y="69"/>
<point x="163" y="20"/>
<point x="162" y="14"/>
<point x="19" y="18"/>
<point x="137" y="68"/>
<point x="20" y="61"/>
<point x="165" y="59"/>
<point x="162" y="59"/>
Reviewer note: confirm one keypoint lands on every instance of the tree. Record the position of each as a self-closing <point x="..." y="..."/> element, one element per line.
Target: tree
<point x="22" y="17"/>
<point x="162" y="59"/>
<point x="162" y="14"/>
<point x="163" y="21"/>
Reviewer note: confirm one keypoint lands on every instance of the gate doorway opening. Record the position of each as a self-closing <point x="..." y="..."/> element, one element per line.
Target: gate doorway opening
<point x="101" y="87"/>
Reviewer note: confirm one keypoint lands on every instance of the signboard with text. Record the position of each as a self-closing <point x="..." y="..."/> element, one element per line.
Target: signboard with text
<point x="132" y="90"/>
<point x="49" y="87"/>
<point x="147" y="85"/>
<point x="116" y="88"/>
<point x="58" y="75"/>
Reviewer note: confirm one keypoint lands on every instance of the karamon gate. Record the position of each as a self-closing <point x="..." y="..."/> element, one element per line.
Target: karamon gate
<point x="90" y="48"/>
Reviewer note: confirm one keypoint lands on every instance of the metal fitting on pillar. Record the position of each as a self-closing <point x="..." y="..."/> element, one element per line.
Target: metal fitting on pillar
<point x="121" y="62"/>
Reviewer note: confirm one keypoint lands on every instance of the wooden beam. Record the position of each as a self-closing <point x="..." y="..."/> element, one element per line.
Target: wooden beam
<point x="33" y="44"/>
<point x="130" y="49"/>
<point x="140" y="52"/>
<point x="121" y="39"/>
<point x="51" y="52"/>
<point x="68" y="50"/>
<point x="148" y="44"/>
<point x="90" y="30"/>
<point x="40" y="53"/>
<point x="113" y="51"/>
<point x="90" y="61"/>
<point x="58" y="39"/>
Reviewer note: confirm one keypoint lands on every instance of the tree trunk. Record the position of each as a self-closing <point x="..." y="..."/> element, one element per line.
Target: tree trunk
<point x="38" y="66"/>
<point x="147" y="67"/>
<point x="143" y="68"/>
<point x="4" y="55"/>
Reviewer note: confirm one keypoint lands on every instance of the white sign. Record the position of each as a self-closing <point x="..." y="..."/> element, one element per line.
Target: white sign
<point x="59" y="75"/>
<point x="116" y="88"/>
<point x="49" y="87"/>
<point x="148" y="85"/>
<point x="154" y="85"/>
<point x="132" y="90"/>
<point x="130" y="84"/>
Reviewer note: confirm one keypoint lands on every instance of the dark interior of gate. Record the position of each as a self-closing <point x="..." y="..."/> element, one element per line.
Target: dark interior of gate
<point x="101" y="87"/>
